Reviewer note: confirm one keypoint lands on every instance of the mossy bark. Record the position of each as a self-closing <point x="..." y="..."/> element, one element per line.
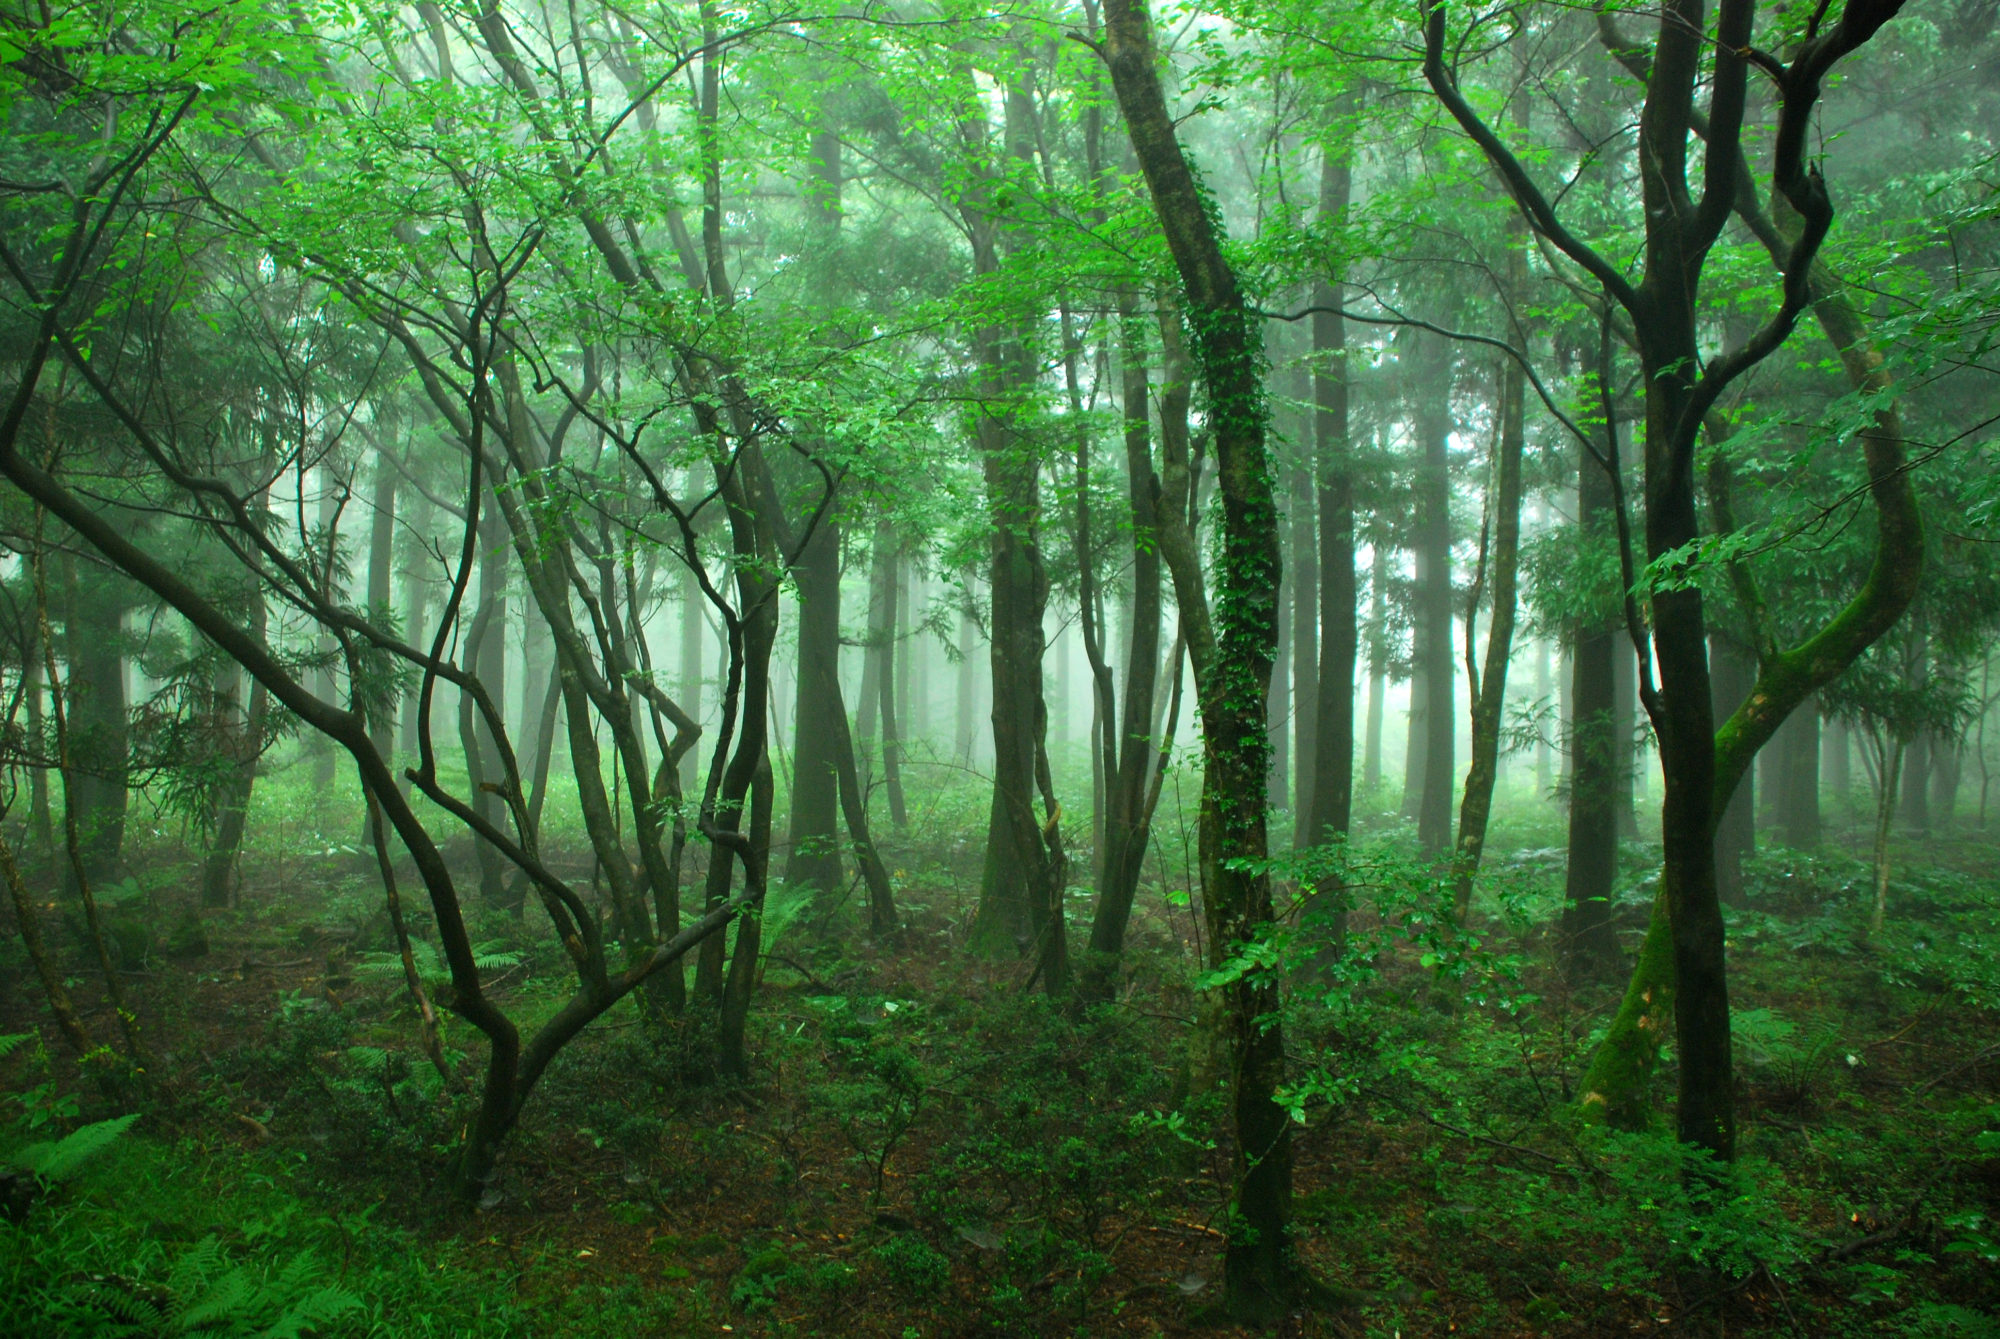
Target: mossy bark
<point x="1620" y="1078"/>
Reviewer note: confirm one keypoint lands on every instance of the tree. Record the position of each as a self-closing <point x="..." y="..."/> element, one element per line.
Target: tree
<point x="1232" y="650"/>
<point x="1701" y="765"/>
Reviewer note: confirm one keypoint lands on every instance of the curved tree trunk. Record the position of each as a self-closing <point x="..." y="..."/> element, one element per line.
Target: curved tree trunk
<point x="1232" y="656"/>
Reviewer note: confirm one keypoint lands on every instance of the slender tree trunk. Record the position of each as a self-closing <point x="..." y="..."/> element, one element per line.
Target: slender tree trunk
<point x="245" y="740"/>
<point x="886" y="607"/>
<point x="1489" y="689"/>
<point x="61" y="1006"/>
<point x="381" y="585"/>
<point x="689" y="682"/>
<point x="1588" y="943"/>
<point x="1331" y="812"/>
<point x="488" y="646"/>
<point x="1544" y="685"/>
<point x="416" y="630"/>
<point x="1278" y="704"/>
<point x="966" y="692"/>
<point x="1885" y="811"/>
<point x="327" y="680"/>
<point x="1434" y="594"/>
<point x="1624" y="720"/>
<point x="1378" y="669"/>
<point x="41" y="818"/>
<point x="1130" y="759"/>
<point x="1024" y="888"/>
<point x="1416" y="719"/>
<point x="98" y="718"/>
<point x="1303" y="568"/>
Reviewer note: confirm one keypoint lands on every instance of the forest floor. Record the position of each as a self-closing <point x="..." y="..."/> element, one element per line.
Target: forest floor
<point x="924" y="1149"/>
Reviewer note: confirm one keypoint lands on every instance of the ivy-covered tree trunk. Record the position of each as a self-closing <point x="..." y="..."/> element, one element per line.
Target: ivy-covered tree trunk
<point x="1232" y="655"/>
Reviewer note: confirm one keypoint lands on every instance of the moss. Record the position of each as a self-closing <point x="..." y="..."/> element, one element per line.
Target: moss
<point x="1615" y="1090"/>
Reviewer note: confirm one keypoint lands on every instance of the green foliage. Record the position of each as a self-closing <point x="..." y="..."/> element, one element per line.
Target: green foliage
<point x="913" y="1264"/>
<point x="204" y="1294"/>
<point x="62" y="1159"/>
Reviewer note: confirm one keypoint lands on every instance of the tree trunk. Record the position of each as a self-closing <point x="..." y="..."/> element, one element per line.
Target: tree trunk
<point x="1588" y="942"/>
<point x="689" y="682"/>
<point x="1736" y="832"/>
<point x="1799" y="755"/>
<point x="1885" y="809"/>
<point x="815" y="854"/>
<point x="885" y="615"/>
<point x="381" y="584"/>
<point x="1836" y="763"/>
<point x="1915" y="785"/>
<point x="1232" y="657"/>
<point x="966" y="694"/>
<point x="1025" y="883"/>
<point x="1378" y="669"/>
<point x="1434" y="594"/>
<point x="1303" y="568"/>
<point x="1416" y="720"/>
<point x="1544" y="685"/>
<point x="327" y="679"/>
<point x="1947" y="766"/>
<point x="1130" y="758"/>
<point x="1278" y="702"/>
<point x="1489" y="689"/>
<point x="99" y="716"/>
<point x="1624" y="720"/>
<point x="487" y="645"/>
<point x="34" y="688"/>
<point x="1331" y="813"/>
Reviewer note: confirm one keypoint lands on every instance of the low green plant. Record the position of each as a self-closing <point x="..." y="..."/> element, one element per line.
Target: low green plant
<point x="913" y="1264"/>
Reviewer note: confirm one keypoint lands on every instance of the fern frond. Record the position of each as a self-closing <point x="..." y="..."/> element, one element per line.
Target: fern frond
<point x="63" y="1158"/>
<point x="12" y="1041"/>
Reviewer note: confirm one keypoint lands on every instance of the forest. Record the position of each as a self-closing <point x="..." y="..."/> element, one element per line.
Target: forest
<point x="916" y="668"/>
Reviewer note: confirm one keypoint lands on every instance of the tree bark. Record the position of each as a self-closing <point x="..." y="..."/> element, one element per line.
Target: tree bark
<point x="1736" y="832"/>
<point x="815" y="855"/>
<point x="1024" y="887"/>
<point x="1434" y="593"/>
<point x="1332" y="808"/>
<point x="1378" y="669"/>
<point x="1232" y="656"/>
<point x="1588" y="943"/>
<point x="1130" y="757"/>
<point x="1489" y="688"/>
<point x="99" y="715"/>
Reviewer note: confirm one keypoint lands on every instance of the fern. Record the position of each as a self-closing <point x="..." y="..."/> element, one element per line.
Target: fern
<point x="492" y="956"/>
<point x="12" y="1041"/>
<point x="782" y="906"/>
<point x="214" y="1298"/>
<point x="63" y="1158"/>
